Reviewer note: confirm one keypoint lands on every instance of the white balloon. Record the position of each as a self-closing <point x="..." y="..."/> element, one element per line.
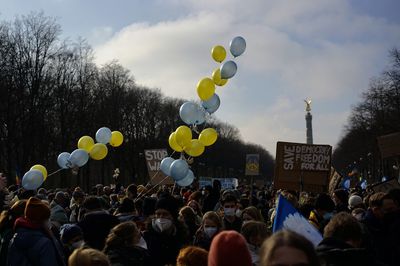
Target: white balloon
<point x="228" y="69"/>
<point x="212" y="104"/>
<point x="237" y="46"/>
<point x="187" y="181"/>
<point x="179" y="169"/>
<point x="103" y="135"/>
<point x="32" y="179"/>
<point x="79" y="158"/>
<point x="192" y="114"/>
<point x="166" y="165"/>
<point x="63" y="160"/>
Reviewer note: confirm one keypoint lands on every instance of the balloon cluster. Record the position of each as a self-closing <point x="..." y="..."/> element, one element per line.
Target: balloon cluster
<point x="193" y="114"/>
<point x="35" y="177"/>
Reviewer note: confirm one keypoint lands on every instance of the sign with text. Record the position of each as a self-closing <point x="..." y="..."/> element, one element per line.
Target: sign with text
<point x="153" y="161"/>
<point x="302" y="167"/>
<point x="252" y="164"/>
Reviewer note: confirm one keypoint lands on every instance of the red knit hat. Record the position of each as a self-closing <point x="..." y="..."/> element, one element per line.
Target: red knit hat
<point x="36" y="211"/>
<point x="229" y="248"/>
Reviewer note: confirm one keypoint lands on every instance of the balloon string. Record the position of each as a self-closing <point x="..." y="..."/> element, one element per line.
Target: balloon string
<point x="143" y="194"/>
<point x="59" y="170"/>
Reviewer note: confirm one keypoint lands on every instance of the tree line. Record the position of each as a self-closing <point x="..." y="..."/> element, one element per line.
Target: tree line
<point x="377" y="114"/>
<point x="52" y="93"/>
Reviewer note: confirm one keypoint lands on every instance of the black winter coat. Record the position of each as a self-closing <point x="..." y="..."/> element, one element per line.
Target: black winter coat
<point x="127" y="256"/>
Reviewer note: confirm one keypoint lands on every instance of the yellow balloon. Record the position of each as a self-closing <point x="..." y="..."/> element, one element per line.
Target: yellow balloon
<point x="41" y="168"/>
<point x="173" y="144"/>
<point x="86" y="143"/>
<point x="195" y="149"/>
<point x="216" y="75"/>
<point x="218" y="53"/>
<point x="205" y="88"/>
<point x="208" y="136"/>
<point x="98" y="152"/>
<point x="116" y="139"/>
<point x="183" y="136"/>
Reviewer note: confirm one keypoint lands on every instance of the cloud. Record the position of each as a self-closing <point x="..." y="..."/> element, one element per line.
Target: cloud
<point x="295" y="49"/>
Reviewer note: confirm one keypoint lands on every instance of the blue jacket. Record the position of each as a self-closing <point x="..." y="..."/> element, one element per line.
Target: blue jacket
<point x="33" y="247"/>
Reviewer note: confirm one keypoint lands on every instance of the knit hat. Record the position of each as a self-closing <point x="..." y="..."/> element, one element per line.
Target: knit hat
<point x="168" y="203"/>
<point x="69" y="232"/>
<point x="36" y="210"/>
<point x="355" y="201"/>
<point x="229" y="248"/>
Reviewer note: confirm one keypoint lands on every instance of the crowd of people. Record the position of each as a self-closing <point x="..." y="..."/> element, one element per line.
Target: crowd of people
<point x="140" y="225"/>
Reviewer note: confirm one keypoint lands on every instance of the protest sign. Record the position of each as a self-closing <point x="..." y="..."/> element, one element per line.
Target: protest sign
<point x="385" y="186"/>
<point x="389" y="145"/>
<point x="302" y="167"/>
<point x="153" y="161"/>
<point x="334" y="181"/>
<point x="252" y="164"/>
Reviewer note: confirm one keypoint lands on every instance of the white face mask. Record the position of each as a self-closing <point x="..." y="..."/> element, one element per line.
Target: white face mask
<point x="77" y="244"/>
<point x="210" y="231"/>
<point x="229" y="211"/>
<point x="161" y="224"/>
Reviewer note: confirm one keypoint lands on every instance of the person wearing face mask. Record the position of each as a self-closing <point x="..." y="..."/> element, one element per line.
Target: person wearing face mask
<point x="71" y="237"/>
<point x="255" y="233"/>
<point x="209" y="228"/>
<point x="165" y="234"/>
<point x="323" y="211"/>
<point x="231" y="221"/>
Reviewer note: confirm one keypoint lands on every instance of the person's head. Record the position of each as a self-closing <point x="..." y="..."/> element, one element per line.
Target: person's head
<point x="340" y="197"/>
<point x="288" y="248"/>
<point x="324" y="205"/>
<point x="125" y="234"/>
<point x="355" y="202"/>
<point x="36" y="211"/>
<point x="187" y="215"/>
<point x="71" y="235"/>
<point x="207" y="190"/>
<point x="195" y="206"/>
<point x="166" y="213"/>
<point x="78" y="197"/>
<point x="229" y="248"/>
<point x="107" y="190"/>
<point x="375" y="204"/>
<point x="251" y="214"/>
<point x="255" y="232"/>
<point x="88" y="257"/>
<point x="358" y="213"/>
<point x="7" y="218"/>
<point x="127" y="206"/>
<point x="92" y="203"/>
<point x="389" y="204"/>
<point x="211" y="224"/>
<point x="131" y="191"/>
<point x="193" y="256"/>
<point x="229" y="203"/>
<point x="61" y="199"/>
<point x="345" y="227"/>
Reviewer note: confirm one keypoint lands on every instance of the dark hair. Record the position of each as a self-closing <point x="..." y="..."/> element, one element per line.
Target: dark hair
<point x="125" y="234"/>
<point x="324" y="202"/>
<point x="343" y="226"/>
<point x="290" y="239"/>
<point x="255" y="228"/>
<point x="91" y="203"/>
<point x="228" y="198"/>
<point x="132" y="188"/>
<point x="376" y="199"/>
<point x="127" y="205"/>
<point x="342" y="195"/>
<point x="395" y="195"/>
<point x="254" y="213"/>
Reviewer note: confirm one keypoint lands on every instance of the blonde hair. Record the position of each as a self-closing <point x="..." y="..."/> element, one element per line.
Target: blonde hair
<point x="88" y="257"/>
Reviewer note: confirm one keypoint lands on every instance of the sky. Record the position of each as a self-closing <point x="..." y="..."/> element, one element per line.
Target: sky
<point x="324" y="50"/>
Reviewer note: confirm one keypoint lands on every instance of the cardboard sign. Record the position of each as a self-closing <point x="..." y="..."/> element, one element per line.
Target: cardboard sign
<point x="153" y="161"/>
<point x="389" y="145"/>
<point x="252" y="164"/>
<point x="302" y="167"/>
<point x="334" y="181"/>
<point x="385" y="186"/>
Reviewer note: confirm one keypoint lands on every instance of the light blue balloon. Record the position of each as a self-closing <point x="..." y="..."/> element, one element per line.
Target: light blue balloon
<point x="78" y="158"/>
<point x="192" y="114"/>
<point x="364" y="184"/>
<point x="228" y="69"/>
<point x="179" y="169"/>
<point x="165" y="165"/>
<point x="62" y="160"/>
<point x="346" y="184"/>
<point x="237" y="46"/>
<point x="384" y="178"/>
<point x="32" y="179"/>
<point x="212" y="104"/>
<point x="103" y="135"/>
<point x="187" y="181"/>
